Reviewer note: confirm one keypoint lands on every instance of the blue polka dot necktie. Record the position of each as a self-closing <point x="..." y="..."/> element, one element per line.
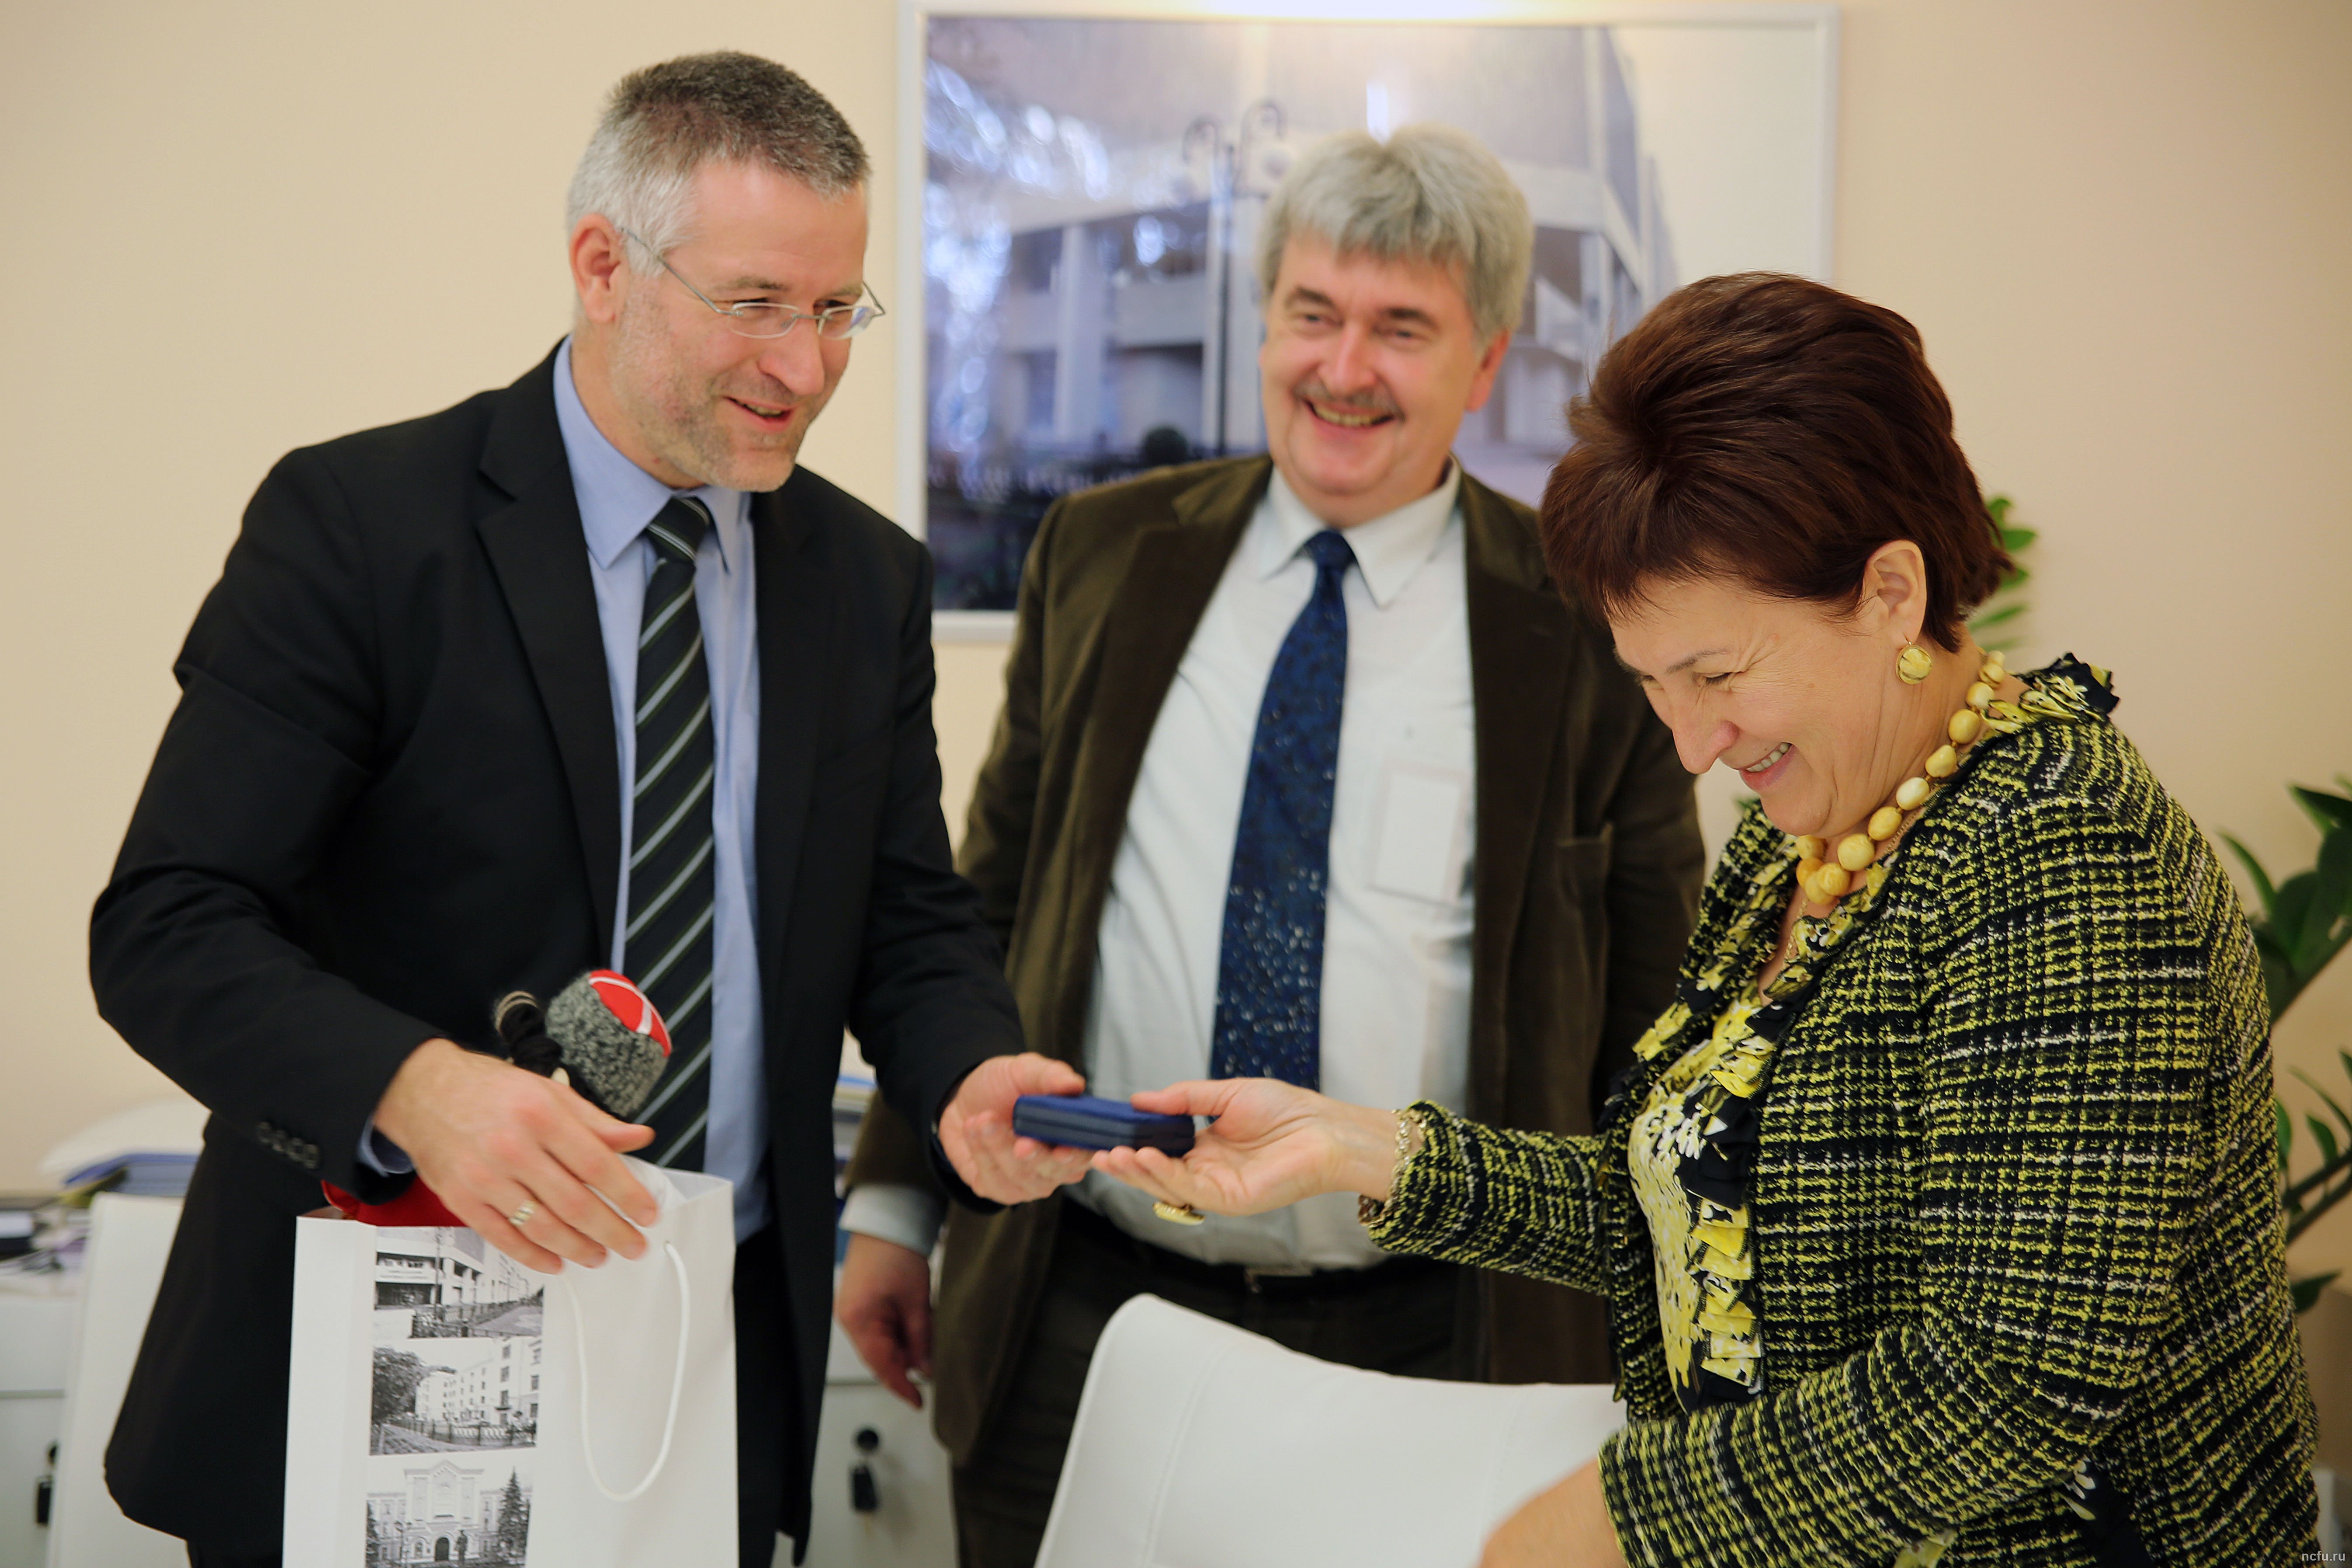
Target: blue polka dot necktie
<point x="1270" y="961"/>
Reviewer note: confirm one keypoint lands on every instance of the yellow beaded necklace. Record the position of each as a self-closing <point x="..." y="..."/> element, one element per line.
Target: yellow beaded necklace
<point x="1824" y="880"/>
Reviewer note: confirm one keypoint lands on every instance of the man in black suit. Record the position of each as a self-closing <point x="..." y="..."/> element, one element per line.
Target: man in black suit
<point x="578" y="673"/>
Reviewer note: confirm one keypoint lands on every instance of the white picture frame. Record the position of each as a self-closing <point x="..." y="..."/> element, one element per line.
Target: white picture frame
<point x="1737" y="102"/>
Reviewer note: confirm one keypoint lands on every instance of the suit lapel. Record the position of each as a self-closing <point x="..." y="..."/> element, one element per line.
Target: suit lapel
<point x="1147" y="626"/>
<point x="796" y="625"/>
<point x="536" y="551"/>
<point x="1520" y="654"/>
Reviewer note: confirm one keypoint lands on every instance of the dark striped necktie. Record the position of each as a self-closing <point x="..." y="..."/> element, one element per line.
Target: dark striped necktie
<point x="672" y="886"/>
<point x="1269" y="1020"/>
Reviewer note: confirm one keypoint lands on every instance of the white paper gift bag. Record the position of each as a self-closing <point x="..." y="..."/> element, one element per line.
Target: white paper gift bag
<point x="449" y="1405"/>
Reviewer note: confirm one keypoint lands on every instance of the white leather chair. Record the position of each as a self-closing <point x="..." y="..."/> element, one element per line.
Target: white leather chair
<point x="1200" y="1445"/>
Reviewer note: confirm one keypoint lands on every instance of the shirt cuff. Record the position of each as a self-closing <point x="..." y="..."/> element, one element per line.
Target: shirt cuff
<point x="909" y="1216"/>
<point x="382" y="1155"/>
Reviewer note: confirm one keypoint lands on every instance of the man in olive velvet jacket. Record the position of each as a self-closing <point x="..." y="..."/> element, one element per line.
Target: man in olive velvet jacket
<point x="1512" y="849"/>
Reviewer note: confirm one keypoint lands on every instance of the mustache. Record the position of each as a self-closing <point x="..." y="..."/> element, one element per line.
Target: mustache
<point x="1373" y="403"/>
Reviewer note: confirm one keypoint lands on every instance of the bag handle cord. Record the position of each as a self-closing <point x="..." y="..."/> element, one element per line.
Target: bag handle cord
<point x="677" y="1385"/>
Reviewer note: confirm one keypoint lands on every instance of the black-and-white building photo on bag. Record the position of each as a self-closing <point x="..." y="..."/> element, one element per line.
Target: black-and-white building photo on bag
<point x="449" y="1508"/>
<point x="453" y="1416"/>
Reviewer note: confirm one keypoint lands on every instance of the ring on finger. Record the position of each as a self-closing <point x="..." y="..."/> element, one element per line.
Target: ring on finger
<point x="521" y="1216"/>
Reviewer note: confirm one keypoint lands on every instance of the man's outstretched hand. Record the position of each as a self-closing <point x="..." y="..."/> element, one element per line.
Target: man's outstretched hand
<point x="976" y="1129"/>
<point x="488" y="1137"/>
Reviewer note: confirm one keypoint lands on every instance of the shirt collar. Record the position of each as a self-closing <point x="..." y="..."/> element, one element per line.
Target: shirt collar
<point x="1390" y="549"/>
<point x="618" y="498"/>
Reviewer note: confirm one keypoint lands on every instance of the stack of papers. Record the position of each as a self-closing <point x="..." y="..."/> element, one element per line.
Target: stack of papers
<point x="146" y="1151"/>
<point x="138" y="1174"/>
<point x="40" y="1237"/>
<point x="18" y="1223"/>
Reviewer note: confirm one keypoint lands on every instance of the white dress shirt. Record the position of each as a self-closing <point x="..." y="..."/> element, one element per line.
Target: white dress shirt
<point x="1398" y="911"/>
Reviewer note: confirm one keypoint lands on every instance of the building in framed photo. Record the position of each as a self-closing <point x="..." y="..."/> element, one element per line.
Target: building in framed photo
<point x="1090" y="189"/>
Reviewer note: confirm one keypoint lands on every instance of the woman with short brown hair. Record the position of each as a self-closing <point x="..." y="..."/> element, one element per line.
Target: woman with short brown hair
<point x="1938" y="1216"/>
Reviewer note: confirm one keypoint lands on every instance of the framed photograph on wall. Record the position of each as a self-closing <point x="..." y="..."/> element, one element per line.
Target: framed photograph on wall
<point x="1082" y="182"/>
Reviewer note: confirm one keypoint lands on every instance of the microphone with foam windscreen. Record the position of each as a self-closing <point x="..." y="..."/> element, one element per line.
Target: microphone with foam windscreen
<point x="601" y="1035"/>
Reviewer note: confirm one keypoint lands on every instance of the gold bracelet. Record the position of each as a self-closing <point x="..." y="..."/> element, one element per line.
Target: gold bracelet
<point x="1412" y="1135"/>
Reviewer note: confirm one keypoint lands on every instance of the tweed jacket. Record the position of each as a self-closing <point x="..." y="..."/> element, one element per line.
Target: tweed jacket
<point x="2013" y="1197"/>
<point x="1588" y="864"/>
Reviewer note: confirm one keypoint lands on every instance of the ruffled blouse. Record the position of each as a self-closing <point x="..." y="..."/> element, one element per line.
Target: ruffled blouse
<point x="1704" y="1257"/>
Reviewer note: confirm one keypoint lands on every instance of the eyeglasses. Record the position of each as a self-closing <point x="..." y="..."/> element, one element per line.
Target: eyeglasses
<point x="757" y="319"/>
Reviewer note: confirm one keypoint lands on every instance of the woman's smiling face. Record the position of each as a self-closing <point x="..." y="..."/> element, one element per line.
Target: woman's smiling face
<point x="1801" y="699"/>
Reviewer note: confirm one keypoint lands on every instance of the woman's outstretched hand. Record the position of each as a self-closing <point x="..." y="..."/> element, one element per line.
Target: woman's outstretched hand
<point x="1272" y="1143"/>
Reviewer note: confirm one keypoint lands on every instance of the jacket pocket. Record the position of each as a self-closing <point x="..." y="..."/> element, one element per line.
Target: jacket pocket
<point x="1584" y="865"/>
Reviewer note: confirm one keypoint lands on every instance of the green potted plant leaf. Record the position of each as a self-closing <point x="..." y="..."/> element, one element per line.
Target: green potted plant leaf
<point x="2304" y="923"/>
<point x="1996" y="625"/>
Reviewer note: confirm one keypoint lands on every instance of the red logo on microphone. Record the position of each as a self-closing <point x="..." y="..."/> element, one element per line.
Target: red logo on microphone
<point x="631" y="1006"/>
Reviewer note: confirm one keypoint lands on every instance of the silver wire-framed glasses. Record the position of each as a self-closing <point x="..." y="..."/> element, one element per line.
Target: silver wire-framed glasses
<point x="758" y="319"/>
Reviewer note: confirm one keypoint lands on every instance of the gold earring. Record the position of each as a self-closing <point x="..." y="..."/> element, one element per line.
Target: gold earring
<point x="1913" y="663"/>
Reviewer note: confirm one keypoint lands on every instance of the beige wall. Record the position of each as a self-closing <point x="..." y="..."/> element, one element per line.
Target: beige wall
<point x="237" y="228"/>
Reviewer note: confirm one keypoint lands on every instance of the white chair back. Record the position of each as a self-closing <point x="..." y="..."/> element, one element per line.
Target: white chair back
<point x="1198" y="1444"/>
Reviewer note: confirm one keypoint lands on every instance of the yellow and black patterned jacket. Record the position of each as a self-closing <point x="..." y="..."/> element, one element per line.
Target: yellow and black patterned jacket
<point x="2013" y="1197"/>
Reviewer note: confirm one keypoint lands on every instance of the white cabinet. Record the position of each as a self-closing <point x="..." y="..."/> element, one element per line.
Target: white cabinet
<point x="36" y="1341"/>
<point x="911" y="1524"/>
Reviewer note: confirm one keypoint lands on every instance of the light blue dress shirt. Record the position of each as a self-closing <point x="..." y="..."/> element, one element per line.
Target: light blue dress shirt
<point x="617" y="500"/>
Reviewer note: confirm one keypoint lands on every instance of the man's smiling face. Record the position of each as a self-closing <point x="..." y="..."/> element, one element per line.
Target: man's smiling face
<point x="693" y="402"/>
<point x="1368" y="368"/>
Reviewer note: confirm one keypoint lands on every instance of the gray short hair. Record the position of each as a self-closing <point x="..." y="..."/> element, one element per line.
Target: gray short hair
<point x="1428" y="194"/>
<point x="666" y="122"/>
